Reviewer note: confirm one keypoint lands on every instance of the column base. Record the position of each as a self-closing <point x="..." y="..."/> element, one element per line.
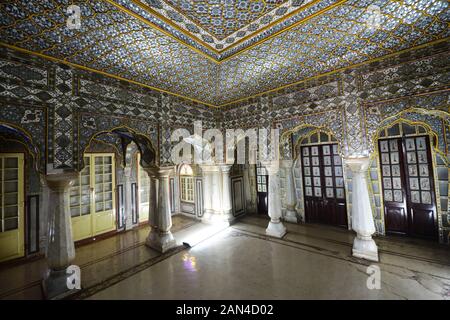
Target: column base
<point x="365" y="248"/>
<point x="217" y="218"/>
<point x="276" y="229"/>
<point x="291" y="216"/>
<point x="54" y="285"/>
<point x="161" y="242"/>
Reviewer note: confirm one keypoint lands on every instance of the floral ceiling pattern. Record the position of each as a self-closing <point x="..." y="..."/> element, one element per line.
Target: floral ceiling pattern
<point x="184" y="47"/>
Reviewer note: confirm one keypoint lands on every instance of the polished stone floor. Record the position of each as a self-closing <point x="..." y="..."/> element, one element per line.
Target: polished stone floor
<point x="100" y="261"/>
<point x="240" y="262"/>
<point x="310" y="262"/>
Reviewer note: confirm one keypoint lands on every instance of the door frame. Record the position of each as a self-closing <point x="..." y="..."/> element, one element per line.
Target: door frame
<point x="376" y="154"/>
<point x="297" y="160"/>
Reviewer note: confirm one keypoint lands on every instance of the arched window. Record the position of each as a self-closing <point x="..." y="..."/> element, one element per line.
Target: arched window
<point x="186" y="183"/>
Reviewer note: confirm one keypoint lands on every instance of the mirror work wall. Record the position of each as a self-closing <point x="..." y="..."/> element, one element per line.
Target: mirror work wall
<point x="360" y="107"/>
<point x="58" y="111"/>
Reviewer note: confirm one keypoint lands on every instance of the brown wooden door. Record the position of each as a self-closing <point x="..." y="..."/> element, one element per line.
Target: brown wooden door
<point x="323" y="183"/>
<point x="262" y="189"/>
<point x="408" y="187"/>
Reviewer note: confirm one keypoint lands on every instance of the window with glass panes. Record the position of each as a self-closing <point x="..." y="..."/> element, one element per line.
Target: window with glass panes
<point x="407" y="181"/>
<point x="323" y="180"/>
<point x="80" y="192"/>
<point x="11" y="206"/>
<point x="92" y="197"/>
<point x="186" y="184"/>
<point x="144" y="187"/>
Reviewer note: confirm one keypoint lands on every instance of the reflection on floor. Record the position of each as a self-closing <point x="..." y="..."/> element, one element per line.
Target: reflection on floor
<point x="99" y="261"/>
<point x="311" y="262"/>
<point x="240" y="262"/>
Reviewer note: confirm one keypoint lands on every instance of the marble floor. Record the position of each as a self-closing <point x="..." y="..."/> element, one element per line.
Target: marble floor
<point x="100" y="261"/>
<point x="241" y="262"/>
<point x="310" y="262"/>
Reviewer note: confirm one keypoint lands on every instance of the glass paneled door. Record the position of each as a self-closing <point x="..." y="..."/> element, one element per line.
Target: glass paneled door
<point x="408" y="187"/>
<point x="12" y="206"/>
<point x="262" y="185"/>
<point x="323" y="182"/>
<point x="92" y="197"/>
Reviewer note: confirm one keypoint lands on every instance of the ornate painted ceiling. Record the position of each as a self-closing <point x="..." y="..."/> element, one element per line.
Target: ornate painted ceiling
<point x="218" y="51"/>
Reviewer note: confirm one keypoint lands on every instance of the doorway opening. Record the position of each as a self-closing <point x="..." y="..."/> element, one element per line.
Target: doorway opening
<point x="406" y="164"/>
<point x="323" y="179"/>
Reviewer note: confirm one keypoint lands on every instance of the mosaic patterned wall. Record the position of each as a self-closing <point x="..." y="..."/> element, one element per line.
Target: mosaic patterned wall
<point x="63" y="108"/>
<point x="229" y="50"/>
<point x="353" y="103"/>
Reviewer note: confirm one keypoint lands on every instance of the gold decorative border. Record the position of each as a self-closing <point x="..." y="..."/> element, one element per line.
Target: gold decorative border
<point x="110" y="130"/>
<point x="201" y="42"/>
<point x="75" y="65"/>
<point x="390" y="55"/>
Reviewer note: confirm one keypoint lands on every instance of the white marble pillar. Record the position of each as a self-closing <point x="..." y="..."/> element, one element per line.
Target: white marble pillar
<point x="60" y="249"/>
<point x="362" y="218"/>
<point x="216" y="196"/>
<point x="128" y="204"/>
<point x="207" y="191"/>
<point x="275" y="227"/>
<point x="160" y="238"/>
<point x="152" y="173"/>
<point x="226" y="191"/>
<point x="291" y="214"/>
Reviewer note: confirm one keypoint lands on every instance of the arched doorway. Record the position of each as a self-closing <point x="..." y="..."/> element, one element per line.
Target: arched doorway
<point x="98" y="204"/>
<point x="319" y="164"/>
<point x="405" y="162"/>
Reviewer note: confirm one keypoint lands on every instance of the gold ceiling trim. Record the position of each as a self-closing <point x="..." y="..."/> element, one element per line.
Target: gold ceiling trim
<point x="281" y="31"/>
<point x="168" y="21"/>
<point x="79" y="66"/>
<point x="180" y="11"/>
<point x="339" y="70"/>
<point x="135" y="15"/>
<point x="280" y="20"/>
<point x="151" y="11"/>
<point x="231" y="102"/>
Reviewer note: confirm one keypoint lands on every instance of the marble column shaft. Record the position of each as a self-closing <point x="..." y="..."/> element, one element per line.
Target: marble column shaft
<point x="291" y="214"/>
<point x="275" y="227"/>
<point x="226" y="189"/>
<point x="362" y="217"/>
<point x="60" y="249"/>
<point x="160" y="238"/>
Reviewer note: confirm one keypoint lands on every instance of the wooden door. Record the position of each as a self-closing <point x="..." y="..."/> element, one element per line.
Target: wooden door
<point x="408" y="187"/>
<point x="323" y="183"/>
<point x="262" y="189"/>
<point x="12" y="222"/>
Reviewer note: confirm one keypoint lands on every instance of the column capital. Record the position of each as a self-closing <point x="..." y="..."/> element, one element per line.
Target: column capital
<point x="60" y="181"/>
<point x="165" y="172"/>
<point x="357" y="164"/>
<point x="151" y="171"/>
<point x="225" y="167"/>
<point x="272" y="167"/>
<point x="210" y="168"/>
<point x="287" y="163"/>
